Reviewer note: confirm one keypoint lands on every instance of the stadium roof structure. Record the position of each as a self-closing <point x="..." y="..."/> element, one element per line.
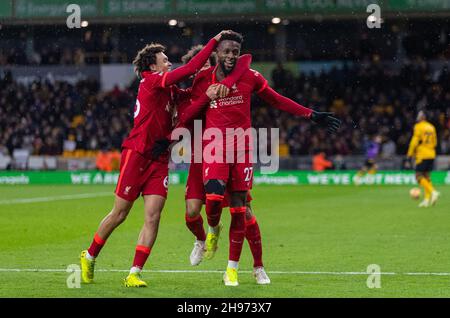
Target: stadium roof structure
<point x="157" y="11"/>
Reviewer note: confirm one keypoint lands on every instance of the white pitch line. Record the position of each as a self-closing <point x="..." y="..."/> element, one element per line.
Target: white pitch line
<point x="427" y="274"/>
<point x="56" y="198"/>
<point x="217" y="271"/>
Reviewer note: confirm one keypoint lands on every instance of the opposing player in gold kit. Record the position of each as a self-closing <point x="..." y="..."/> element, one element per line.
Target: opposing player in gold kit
<point x="422" y="148"/>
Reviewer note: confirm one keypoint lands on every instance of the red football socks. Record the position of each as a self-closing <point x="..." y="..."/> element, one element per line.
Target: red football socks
<point x="237" y="232"/>
<point x="96" y="245"/>
<point x="253" y="236"/>
<point x="142" y="253"/>
<point x="195" y="225"/>
<point x="213" y="208"/>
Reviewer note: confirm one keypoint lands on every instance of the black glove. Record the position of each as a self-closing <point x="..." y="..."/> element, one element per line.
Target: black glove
<point x="326" y="120"/>
<point x="160" y="147"/>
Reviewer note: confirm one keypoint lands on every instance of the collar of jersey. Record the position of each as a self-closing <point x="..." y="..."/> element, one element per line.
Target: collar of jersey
<point x="148" y="73"/>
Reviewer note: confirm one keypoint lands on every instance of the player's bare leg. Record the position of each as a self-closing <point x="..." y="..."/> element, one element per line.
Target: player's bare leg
<point x="117" y="215"/>
<point x="238" y="209"/>
<point x="215" y="190"/>
<point x="253" y="236"/>
<point x="153" y="206"/>
<point x="194" y="222"/>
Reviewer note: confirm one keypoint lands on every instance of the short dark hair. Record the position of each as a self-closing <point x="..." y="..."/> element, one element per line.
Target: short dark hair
<point x="147" y="57"/>
<point x="422" y="113"/>
<point x="194" y="51"/>
<point x="232" y="36"/>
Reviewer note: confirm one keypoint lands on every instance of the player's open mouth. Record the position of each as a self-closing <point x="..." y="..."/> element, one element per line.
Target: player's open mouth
<point x="229" y="64"/>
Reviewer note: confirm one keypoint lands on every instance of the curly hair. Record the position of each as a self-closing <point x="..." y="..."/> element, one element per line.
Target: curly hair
<point x="194" y="51"/>
<point x="147" y="57"/>
<point x="232" y="36"/>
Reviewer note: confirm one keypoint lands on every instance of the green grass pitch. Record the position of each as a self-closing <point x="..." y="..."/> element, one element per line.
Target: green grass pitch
<point x="317" y="241"/>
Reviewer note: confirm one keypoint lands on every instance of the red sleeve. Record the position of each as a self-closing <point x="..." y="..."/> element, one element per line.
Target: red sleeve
<point x="242" y="65"/>
<point x="283" y="103"/>
<point x="260" y="83"/>
<point x="194" y="109"/>
<point x="181" y="94"/>
<point x="191" y="112"/>
<point x="199" y="100"/>
<point x="191" y="67"/>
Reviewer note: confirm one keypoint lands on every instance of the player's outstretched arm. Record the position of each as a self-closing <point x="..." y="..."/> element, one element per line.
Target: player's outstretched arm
<point x="195" y="64"/>
<point x="283" y="103"/>
<point x="326" y="119"/>
<point x="196" y="107"/>
<point x="183" y="92"/>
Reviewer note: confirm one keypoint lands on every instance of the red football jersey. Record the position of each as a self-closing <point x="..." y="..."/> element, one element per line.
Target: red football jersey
<point x="233" y="111"/>
<point x="201" y="82"/>
<point x="155" y="103"/>
<point x="152" y="115"/>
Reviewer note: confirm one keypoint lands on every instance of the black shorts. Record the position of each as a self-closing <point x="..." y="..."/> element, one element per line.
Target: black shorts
<point x="425" y="166"/>
<point x="369" y="164"/>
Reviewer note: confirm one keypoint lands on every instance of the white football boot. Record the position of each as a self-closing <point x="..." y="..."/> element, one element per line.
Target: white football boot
<point x="424" y="204"/>
<point x="261" y="276"/>
<point x="197" y="253"/>
<point x="434" y="197"/>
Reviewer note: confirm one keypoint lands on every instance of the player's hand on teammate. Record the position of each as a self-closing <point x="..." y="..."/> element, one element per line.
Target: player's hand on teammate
<point x="326" y="119"/>
<point x="219" y="36"/>
<point x="222" y="91"/>
<point x="160" y="147"/>
<point x="216" y="91"/>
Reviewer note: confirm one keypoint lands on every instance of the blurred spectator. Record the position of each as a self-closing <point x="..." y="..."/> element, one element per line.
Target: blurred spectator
<point x="79" y="57"/>
<point x="339" y="163"/>
<point x="283" y="80"/>
<point x="320" y="162"/>
<point x="108" y="160"/>
<point x="388" y="149"/>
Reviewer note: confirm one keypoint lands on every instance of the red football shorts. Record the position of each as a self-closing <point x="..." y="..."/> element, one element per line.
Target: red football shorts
<point x="141" y="175"/>
<point x="237" y="176"/>
<point x="196" y="190"/>
<point x="194" y="185"/>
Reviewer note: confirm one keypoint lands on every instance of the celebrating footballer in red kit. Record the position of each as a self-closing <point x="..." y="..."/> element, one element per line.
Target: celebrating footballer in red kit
<point x="140" y="174"/>
<point x="195" y="192"/>
<point x="232" y="113"/>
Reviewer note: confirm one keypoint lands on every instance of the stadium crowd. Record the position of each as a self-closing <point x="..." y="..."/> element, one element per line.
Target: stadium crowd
<point x="305" y="40"/>
<point x="52" y="118"/>
<point x="370" y="99"/>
